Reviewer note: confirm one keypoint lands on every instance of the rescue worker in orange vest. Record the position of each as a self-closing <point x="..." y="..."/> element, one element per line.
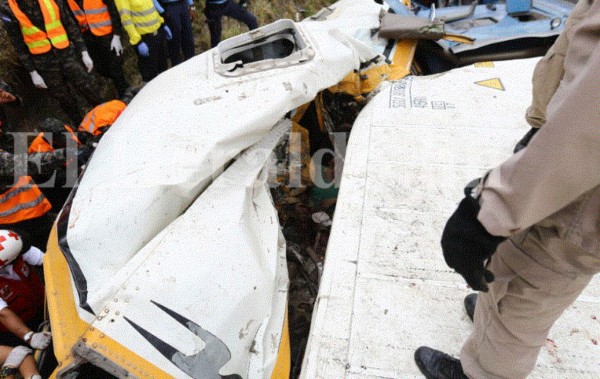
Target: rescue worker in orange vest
<point x="97" y="121"/>
<point x="46" y="39"/>
<point x="21" y="292"/>
<point x="55" y="134"/>
<point x="100" y="25"/>
<point x="22" y="203"/>
<point x="41" y="144"/>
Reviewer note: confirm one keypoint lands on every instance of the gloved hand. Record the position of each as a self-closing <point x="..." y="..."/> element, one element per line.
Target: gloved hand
<point x="142" y="48"/>
<point x="116" y="45"/>
<point x="87" y="61"/>
<point x="37" y="80"/>
<point x="16" y="356"/>
<point x="39" y="340"/>
<point x="525" y="140"/>
<point x="168" y="34"/>
<point x="467" y="244"/>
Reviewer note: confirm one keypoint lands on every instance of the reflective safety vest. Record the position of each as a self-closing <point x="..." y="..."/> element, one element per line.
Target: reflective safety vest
<point x="101" y="116"/>
<point x="138" y="17"/>
<point x="38" y="41"/>
<point x="25" y="297"/>
<point x="41" y="145"/>
<point x="94" y="16"/>
<point x="23" y="201"/>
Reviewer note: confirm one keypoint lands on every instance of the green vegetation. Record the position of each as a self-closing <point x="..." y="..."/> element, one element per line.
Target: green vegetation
<point x="37" y="104"/>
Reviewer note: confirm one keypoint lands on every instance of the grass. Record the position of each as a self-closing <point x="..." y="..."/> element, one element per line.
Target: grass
<point x="37" y="105"/>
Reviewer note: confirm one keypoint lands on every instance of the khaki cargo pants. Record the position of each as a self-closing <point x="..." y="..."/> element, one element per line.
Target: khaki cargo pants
<point x="539" y="273"/>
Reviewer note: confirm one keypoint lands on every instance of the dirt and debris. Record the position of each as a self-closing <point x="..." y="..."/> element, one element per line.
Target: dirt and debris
<point x="308" y="171"/>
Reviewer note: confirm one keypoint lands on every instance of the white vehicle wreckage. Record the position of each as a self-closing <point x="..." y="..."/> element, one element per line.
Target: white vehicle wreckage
<point x="168" y="259"/>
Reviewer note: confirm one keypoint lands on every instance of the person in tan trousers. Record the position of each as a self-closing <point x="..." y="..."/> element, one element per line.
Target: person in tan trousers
<point x="528" y="234"/>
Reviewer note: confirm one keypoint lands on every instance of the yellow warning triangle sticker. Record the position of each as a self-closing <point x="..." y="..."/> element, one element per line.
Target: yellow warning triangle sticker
<point x="491" y="83"/>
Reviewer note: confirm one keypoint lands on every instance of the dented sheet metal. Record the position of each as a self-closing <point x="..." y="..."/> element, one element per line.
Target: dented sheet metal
<point x="386" y="289"/>
<point x="168" y="259"/>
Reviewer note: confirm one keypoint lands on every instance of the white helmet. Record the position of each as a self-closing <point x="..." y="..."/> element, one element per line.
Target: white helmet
<point x="11" y="245"/>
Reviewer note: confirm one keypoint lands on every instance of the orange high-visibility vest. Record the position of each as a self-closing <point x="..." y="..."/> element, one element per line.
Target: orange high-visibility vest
<point x="41" y="145"/>
<point x="23" y="201"/>
<point x="94" y="16"/>
<point x="101" y="116"/>
<point x="38" y="41"/>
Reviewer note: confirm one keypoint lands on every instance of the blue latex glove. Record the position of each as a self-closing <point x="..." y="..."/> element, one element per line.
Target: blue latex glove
<point x="142" y="48"/>
<point x="168" y="34"/>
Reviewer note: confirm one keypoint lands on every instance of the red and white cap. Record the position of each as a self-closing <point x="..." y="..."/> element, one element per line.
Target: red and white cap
<point x="11" y="245"/>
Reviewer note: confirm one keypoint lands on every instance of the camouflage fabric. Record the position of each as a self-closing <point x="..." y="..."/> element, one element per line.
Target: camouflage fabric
<point x="57" y="77"/>
<point x="39" y="166"/>
<point x="34" y="13"/>
<point x="58" y="66"/>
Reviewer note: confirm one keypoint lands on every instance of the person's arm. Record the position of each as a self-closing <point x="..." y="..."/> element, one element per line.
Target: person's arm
<point x="12" y="321"/>
<point x="562" y="161"/>
<point x="549" y="70"/>
<point x="13" y="29"/>
<point x="71" y="27"/>
<point x="127" y="22"/>
<point x="115" y="18"/>
<point x="16" y="326"/>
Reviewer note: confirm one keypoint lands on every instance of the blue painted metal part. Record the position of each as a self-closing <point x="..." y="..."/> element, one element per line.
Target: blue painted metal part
<point x="518" y="6"/>
<point x="398" y="7"/>
<point x="490" y="26"/>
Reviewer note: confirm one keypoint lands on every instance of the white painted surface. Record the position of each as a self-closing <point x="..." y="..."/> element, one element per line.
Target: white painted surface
<point x="165" y="215"/>
<point x="385" y="289"/>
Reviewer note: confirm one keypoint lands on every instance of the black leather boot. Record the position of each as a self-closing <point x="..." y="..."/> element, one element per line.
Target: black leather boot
<point x="437" y="365"/>
<point x="470" y="301"/>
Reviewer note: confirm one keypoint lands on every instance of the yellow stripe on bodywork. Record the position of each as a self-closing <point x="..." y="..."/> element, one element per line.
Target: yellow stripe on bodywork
<point x="68" y="329"/>
<point x="283" y="364"/>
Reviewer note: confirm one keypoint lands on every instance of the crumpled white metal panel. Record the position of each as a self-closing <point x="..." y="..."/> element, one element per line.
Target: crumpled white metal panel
<point x="221" y="265"/>
<point x="385" y="289"/>
<point x="171" y="248"/>
<point x="179" y="132"/>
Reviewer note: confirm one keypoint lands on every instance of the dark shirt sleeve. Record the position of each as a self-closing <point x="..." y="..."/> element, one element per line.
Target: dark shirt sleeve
<point x="115" y="17"/>
<point x="13" y="29"/>
<point x="71" y="27"/>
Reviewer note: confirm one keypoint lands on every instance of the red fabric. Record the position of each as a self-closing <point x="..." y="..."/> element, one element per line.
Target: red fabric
<point x="25" y="297"/>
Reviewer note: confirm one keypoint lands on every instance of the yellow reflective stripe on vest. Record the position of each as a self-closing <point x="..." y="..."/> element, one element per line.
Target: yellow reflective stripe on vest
<point x="53" y="25"/>
<point x="50" y="10"/>
<point x="38" y="43"/>
<point x="30" y="30"/>
<point x="61" y="38"/>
